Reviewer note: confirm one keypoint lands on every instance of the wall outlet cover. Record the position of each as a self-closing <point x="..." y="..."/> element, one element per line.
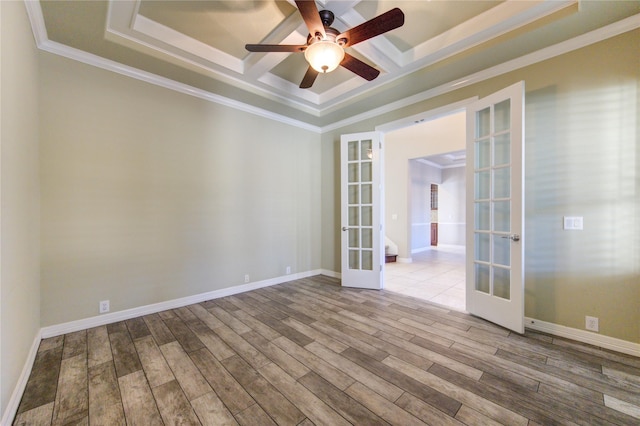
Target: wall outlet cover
<point x="104" y="306"/>
<point x="591" y="323"/>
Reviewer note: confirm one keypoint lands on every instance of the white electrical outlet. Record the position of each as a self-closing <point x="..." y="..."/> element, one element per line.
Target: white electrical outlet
<point x="246" y="278"/>
<point x="288" y="270"/>
<point x="591" y="323"/>
<point x="104" y="306"/>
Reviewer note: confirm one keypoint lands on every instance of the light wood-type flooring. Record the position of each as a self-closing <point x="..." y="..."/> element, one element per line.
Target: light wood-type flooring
<point x="310" y="352"/>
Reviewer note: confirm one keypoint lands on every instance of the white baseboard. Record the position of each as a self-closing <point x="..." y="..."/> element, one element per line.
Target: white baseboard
<point x="14" y="402"/>
<point x="332" y="274"/>
<point x="420" y="249"/>
<point x="70" y="327"/>
<point x="584" y="336"/>
<point x="404" y="260"/>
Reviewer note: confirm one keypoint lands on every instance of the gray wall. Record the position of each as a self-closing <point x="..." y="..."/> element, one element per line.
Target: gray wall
<point x="150" y="195"/>
<point x="583" y="159"/>
<point x="19" y="195"/>
<point x="421" y="176"/>
<point x="452" y="207"/>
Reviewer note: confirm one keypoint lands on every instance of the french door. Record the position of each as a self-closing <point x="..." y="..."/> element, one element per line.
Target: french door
<point x="361" y="210"/>
<point x="495" y="200"/>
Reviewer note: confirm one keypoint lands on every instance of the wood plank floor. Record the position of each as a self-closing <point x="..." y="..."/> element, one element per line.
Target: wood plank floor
<point x="309" y="352"/>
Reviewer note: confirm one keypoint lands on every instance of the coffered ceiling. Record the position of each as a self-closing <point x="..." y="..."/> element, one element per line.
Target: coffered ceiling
<point x="198" y="46"/>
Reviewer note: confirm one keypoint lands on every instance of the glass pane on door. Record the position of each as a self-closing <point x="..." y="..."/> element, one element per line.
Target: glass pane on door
<point x="483" y="122"/>
<point x="502" y="216"/>
<point x="367" y="195"/>
<point x="502" y="283"/>
<point x="502" y="182"/>
<point x="354" y="215"/>
<point x="354" y="259"/>
<point x="367" y="215"/>
<point x="354" y="194"/>
<point x="492" y="202"/>
<point x="482" y="216"/>
<point x="501" y="250"/>
<point x="353" y="172"/>
<point x="360" y="177"/>
<point x="502" y="149"/>
<point x="482" y="278"/>
<point x="502" y="116"/>
<point x="483" y="153"/>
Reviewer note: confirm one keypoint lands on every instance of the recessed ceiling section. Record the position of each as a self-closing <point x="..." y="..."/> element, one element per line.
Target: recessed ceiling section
<point x="224" y="25"/>
<point x="291" y="68"/>
<point x="209" y="37"/>
<point x="432" y="17"/>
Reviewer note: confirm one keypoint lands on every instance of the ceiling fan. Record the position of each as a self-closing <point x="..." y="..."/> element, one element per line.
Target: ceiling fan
<point x="325" y="45"/>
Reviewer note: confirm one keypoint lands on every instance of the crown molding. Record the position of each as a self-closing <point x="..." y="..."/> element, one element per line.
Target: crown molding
<point x="36" y="18"/>
<point x="628" y="24"/>
<point x="109" y="65"/>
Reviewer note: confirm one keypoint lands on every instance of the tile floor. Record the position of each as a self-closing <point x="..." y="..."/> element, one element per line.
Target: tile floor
<point x="436" y="275"/>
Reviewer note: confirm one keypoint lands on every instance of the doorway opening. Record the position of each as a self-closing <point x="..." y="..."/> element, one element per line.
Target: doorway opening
<point x="431" y="242"/>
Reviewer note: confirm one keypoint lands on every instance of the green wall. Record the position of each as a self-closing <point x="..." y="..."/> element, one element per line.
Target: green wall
<point x="582" y="159"/>
<point x="150" y="195"/>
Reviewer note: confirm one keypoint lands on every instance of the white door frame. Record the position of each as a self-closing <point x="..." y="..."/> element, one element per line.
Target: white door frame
<point x="410" y="121"/>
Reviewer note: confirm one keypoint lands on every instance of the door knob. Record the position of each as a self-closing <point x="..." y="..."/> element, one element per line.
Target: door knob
<point x="514" y="237"/>
<point x="344" y="228"/>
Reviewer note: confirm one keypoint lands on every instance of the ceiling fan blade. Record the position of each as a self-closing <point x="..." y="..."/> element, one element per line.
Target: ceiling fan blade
<point x="311" y="16"/>
<point x="356" y="66"/>
<point x="309" y="78"/>
<point x="275" y="48"/>
<point x="376" y="26"/>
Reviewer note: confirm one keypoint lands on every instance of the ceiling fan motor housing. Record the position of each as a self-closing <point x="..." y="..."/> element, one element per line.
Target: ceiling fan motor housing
<point x="331" y="33"/>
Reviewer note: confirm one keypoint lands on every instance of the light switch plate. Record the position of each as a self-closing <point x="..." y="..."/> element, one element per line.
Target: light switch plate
<point x="575" y="223"/>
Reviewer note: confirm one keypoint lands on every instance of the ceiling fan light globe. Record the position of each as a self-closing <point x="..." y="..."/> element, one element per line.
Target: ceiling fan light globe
<point x="324" y="56"/>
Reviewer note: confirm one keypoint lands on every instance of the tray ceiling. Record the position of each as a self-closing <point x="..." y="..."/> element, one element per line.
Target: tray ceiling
<point x="200" y="44"/>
